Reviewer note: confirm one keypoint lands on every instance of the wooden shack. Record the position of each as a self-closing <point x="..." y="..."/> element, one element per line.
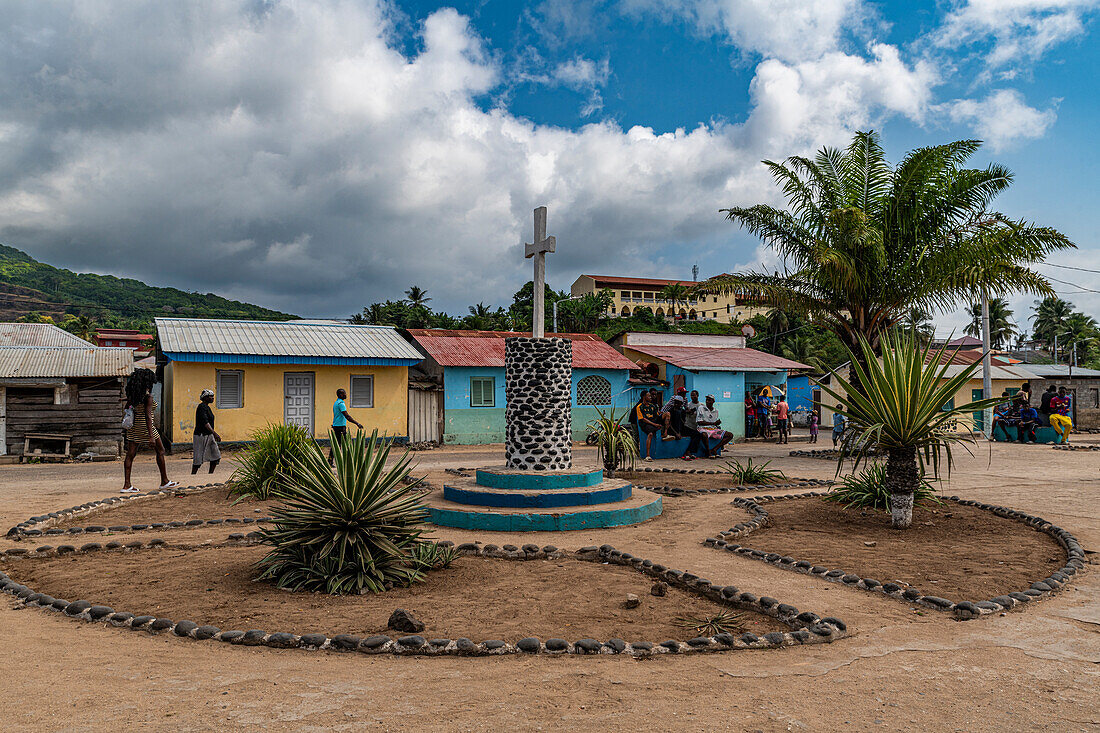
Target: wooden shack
<point x="59" y="394"/>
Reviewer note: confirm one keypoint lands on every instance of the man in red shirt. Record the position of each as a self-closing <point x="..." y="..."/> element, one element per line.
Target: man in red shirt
<point x="781" y="421"/>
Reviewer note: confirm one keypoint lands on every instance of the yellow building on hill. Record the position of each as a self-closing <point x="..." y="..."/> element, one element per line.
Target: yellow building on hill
<point x="283" y="372"/>
<point x="634" y="293"/>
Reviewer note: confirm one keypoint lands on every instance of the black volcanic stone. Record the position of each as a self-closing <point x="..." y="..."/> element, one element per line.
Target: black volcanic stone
<point x="231" y="636"/>
<point x="616" y="645"/>
<point x="120" y="617"/>
<point x="774" y="638"/>
<point x="556" y="645"/>
<point x="98" y="612"/>
<point x="77" y="607"/>
<point x="350" y="643"/>
<point x="206" y="632"/>
<point x="371" y="642"/>
<point x="160" y="624"/>
<point x="314" y="640"/>
<point x="413" y="642"/>
<point x="911" y="594"/>
<point x="493" y="644"/>
<point x="589" y="646"/>
<point x="465" y="646"/>
<point x="184" y="628"/>
<point x="671" y="644"/>
<point x="282" y="640"/>
<point x="699" y="642"/>
<point x="531" y="645"/>
<point x="253" y="637"/>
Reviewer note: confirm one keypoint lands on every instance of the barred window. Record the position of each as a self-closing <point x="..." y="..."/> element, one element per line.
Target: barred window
<point x="594" y="390"/>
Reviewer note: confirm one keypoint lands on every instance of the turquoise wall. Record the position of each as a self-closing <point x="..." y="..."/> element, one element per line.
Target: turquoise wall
<point x="466" y="425"/>
<point x="731" y="409"/>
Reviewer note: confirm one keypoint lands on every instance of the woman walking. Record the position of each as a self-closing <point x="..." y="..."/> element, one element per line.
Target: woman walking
<point x="142" y="434"/>
<point x="206" y="438"/>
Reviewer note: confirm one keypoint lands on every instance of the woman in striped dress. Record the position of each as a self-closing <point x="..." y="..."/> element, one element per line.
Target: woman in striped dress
<point x="143" y="433"/>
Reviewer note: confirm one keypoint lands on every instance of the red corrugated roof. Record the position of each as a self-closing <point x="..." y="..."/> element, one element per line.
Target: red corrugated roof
<point x="705" y="358"/>
<point x="639" y="281"/>
<point x="486" y="348"/>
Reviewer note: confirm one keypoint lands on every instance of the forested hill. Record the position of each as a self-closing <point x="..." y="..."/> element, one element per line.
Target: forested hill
<point x="29" y="288"/>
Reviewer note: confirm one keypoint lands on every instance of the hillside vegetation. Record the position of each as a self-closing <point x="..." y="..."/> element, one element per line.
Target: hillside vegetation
<point x="33" y="290"/>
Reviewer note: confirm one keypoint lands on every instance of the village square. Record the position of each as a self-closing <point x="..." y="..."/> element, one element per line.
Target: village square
<point x="817" y="451"/>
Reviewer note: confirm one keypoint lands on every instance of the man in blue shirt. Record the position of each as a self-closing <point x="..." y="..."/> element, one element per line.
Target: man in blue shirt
<point x="1029" y="420"/>
<point x="340" y="420"/>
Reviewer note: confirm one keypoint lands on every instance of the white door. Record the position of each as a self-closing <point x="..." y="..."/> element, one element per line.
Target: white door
<point x="425" y="415"/>
<point x="298" y="399"/>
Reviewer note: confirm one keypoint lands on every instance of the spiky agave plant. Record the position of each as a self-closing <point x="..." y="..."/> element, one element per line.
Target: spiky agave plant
<point x="867" y="490"/>
<point x="750" y="473"/>
<point x="901" y="410"/>
<point x="723" y="622"/>
<point x="349" y="531"/>
<point x="615" y="443"/>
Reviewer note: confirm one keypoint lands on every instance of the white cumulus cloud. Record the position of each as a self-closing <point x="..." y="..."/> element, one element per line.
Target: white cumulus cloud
<point x="1002" y="118"/>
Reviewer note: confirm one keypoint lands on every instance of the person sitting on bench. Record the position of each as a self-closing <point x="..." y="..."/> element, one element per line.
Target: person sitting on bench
<point x="1059" y="417"/>
<point x="672" y="415"/>
<point x="710" y="425"/>
<point x="1029" y="421"/>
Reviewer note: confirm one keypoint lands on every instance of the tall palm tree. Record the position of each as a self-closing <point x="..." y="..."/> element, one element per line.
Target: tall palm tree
<point x="918" y="321"/>
<point x="1081" y="333"/>
<point x="674" y="293"/>
<point x="417" y="297"/>
<point x="81" y="327"/>
<point x="864" y="241"/>
<point x="801" y="348"/>
<point x="1050" y="318"/>
<point x="1001" y="327"/>
<point x="480" y="318"/>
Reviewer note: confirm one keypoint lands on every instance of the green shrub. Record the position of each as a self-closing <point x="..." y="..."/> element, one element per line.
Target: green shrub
<point x="748" y="473"/>
<point x="269" y="460"/>
<point x="724" y="622"/>
<point x="867" y="490"/>
<point x="356" y="529"/>
<point x="431" y="556"/>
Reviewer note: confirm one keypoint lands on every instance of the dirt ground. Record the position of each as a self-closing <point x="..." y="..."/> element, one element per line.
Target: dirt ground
<point x="475" y="598"/>
<point x="901" y="668"/>
<point x="957" y="552"/>
<point x="213" y="503"/>
<point x="690" y="480"/>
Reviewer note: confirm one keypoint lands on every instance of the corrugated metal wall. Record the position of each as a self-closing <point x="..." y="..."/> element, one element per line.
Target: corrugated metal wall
<point x="425" y="416"/>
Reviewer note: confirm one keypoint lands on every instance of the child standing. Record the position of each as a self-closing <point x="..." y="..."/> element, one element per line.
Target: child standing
<point x="813" y="426"/>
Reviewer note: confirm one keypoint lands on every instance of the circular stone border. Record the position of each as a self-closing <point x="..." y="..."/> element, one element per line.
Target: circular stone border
<point x="828" y="454"/>
<point x="806" y="627"/>
<point x="40" y="525"/>
<point x="679" y="491"/>
<point x="963" y="610"/>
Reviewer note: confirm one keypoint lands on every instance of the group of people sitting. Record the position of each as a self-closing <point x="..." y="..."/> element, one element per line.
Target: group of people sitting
<point x="759" y="409"/>
<point x="679" y="418"/>
<point x="1055" y="408"/>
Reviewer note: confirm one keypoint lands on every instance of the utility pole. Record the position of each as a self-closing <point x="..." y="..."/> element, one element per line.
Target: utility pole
<point x="987" y="367"/>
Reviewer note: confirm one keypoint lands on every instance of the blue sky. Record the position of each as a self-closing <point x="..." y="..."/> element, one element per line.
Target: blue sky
<point x="318" y="155"/>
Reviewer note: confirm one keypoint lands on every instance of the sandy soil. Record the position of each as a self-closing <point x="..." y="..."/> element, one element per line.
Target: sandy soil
<point x="900" y="669"/>
<point x="475" y="598"/>
<point x="958" y="552"/>
<point x="212" y="503"/>
<point x="689" y="480"/>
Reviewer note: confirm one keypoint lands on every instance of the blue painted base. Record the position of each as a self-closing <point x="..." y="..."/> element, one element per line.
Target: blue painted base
<point x="503" y="478"/>
<point x="617" y="491"/>
<point x="1009" y="433"/>
<point x="663" y="449"/>
<point x="547" y="522"/>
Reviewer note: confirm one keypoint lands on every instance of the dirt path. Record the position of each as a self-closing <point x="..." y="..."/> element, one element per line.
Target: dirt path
<point x="901" y="669"/>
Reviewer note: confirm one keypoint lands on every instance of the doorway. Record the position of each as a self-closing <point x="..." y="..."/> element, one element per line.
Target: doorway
<point x="298" y="400"/>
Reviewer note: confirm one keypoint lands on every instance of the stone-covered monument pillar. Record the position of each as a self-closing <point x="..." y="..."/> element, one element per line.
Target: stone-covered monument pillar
<point x="538" y="489"/>
<point x="538" y="379"/>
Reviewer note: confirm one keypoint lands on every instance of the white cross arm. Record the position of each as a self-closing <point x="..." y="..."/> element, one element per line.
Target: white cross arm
<point x="546" y="245"/>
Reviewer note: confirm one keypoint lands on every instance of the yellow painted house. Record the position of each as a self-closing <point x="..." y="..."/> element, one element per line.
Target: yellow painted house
<point x="283" y="372"/>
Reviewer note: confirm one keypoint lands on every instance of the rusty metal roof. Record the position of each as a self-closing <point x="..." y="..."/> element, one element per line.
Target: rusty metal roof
<point x="66" y="361"/>
<point x="709" y="359"/>
<point x="37" y="334"/>
<point x="486" y="348"/>
<point x="197" y="339"/>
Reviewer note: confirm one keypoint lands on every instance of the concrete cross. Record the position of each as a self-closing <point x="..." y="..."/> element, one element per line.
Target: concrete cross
<point x="538" y="250"/>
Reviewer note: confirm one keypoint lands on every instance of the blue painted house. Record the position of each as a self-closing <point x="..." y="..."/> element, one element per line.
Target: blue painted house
<point x="469" y="366"/>
<point x="717" y="365"/>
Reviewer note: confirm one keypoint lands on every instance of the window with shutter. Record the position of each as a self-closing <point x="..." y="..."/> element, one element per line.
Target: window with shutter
<point x="482" y="391"/>
<point x="229" y="390"/>
<point x="362" y="391"/>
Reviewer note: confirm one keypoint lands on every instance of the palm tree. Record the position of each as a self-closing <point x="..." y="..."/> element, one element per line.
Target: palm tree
<point x="778" y="322"/>
<point x="918" y="321"/>
<point x="900" y="411"/>
<point x="1080" y="330"/>
<point x="1050" y="318"/>
<point x="1001" y="328"/>
<point x="865" y="241"/>
<point x="801" y="348"/>
<point x="81" y="327"/>
<point x="480" y="318"/>
<point x="674" y="293"/>
<point x="417" y="297"/>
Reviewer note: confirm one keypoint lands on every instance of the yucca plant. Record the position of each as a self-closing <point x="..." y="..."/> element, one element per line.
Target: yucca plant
<point x="749" y="473"/>
<point x="357" y="529"/>
<point x="867" y="490"/>
<point x="724" y="622"/>
<point x="615" y="443"/>
<point x="901" y="410"/>
<point x="268" y="460"/>
<point x="432" y="556"/>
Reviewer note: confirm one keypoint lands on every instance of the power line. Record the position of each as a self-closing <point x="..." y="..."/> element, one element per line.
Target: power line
<point x="1067" y="267"/>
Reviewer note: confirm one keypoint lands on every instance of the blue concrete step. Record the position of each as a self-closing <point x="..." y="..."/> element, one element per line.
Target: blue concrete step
<point x="471" y="493"/>
<point x="1007" y="433"/>
<point x="666" y="448"/>
<point x="642" y="505"/>
<point x="501" y="477"/>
